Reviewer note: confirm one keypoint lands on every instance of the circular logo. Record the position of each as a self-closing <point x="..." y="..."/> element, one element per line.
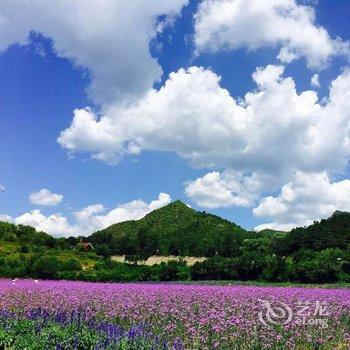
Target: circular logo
<point x="274" y="313"/>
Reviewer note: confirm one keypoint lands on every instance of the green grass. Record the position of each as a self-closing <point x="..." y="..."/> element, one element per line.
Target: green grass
<point x="13" y="250"/>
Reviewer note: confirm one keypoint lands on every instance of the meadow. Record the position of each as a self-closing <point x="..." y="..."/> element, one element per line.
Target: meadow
<point x="81" y="315"/>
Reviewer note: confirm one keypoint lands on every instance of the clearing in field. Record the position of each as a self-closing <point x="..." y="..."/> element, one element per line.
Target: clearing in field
<point x="157" y="259"/>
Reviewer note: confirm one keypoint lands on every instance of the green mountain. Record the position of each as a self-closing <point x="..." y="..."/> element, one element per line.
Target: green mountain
<point x="314" y="254"/>
<point x="175" y="229"/>
<point x="333" y="232"/>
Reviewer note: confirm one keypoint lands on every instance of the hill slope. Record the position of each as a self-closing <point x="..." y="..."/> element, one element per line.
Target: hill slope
<point x="318" y="253"/>
<point x="174" y="229"/>
<point x="177" y="229"/>
<point x="333" y="232"/>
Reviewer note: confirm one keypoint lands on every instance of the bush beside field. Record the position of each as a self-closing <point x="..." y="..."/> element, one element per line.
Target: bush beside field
<point x="57" y="263"/>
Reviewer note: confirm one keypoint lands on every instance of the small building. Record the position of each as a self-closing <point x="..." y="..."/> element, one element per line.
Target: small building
<point x="85" y="246"/>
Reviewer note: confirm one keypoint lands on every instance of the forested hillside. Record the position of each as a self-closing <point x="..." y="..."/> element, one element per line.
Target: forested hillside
<point x="174" y="229"/>
<point x="333" y="232"/>
<point x="318" y="253"/>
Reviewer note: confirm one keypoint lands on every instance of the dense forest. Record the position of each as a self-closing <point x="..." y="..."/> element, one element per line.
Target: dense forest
<point x="174" y="229"/>
<point x="319" y="253"/>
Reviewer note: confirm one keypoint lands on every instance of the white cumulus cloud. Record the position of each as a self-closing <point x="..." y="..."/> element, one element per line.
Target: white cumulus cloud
<point x="45" y="197"/>
<point x="55" y="224"/>
<point x="315" y="80"/>
<point x="274" y="130"/>
<point x="88" y="219"/>
<point x="309" y="197"/>
<point x="273" y="136"/>
<point x="5" y="217"/>
<point x="110" y="38"/>
<point x="93" y="217"/>
<point x="215" y="190"/>
<point x="231" y="24"/>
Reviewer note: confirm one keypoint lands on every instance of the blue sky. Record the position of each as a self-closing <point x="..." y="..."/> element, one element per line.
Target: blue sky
<point x="185" y="136"/>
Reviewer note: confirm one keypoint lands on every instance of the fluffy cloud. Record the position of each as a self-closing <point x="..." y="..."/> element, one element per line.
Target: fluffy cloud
<point x="193" y="128"/>
<point x="309" y="197"/>
<point x="45" y="197"/>
<point x="5" y="218"/>
<point x="55" y="224"/>
<point x="230" y="24"/>
<point x="259" y="141"/>
<point x="273" y="131"/>
<point x="88" y="219"/>
<point x="91" y="217"/>
<point x="315" y="80"/>
<point x="110" y="38"/>
<point x="215" y="190"/>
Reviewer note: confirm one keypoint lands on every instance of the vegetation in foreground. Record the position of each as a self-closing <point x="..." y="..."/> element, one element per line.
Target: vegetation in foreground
<point x="319" y="253"/>
<point x="40" y="329"/>
<point x="173" y="316"/>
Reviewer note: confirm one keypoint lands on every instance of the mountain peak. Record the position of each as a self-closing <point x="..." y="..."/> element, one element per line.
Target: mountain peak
<point x="178" y="203"/>
<point x="338" y="212"/>
<point x="174" y="207"/>
<point x="174" y="229"/>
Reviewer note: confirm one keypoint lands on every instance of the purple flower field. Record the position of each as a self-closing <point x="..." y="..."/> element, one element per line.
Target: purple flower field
<point x="197" y="316"/>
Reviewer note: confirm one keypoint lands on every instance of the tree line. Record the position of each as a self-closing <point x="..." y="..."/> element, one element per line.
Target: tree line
<point x="319" y="253"/>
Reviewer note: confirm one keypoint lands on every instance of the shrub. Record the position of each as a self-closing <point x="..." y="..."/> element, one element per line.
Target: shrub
<point x="72" y="264"/>
<point x="46" y="267"/>
<point x="215" y="268"/>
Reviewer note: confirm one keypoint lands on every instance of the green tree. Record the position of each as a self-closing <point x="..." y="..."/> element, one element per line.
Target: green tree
<point x="46" y="267"/>
<point x="103" y="250"/>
